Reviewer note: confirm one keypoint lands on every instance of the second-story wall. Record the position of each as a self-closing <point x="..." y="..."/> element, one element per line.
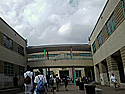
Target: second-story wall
<point x="111" y="41"/>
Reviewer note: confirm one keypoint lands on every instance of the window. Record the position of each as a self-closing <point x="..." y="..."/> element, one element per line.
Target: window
<point x="8" y="68"/>
<point x="99" y="38"/>
<point x="110" y="25"/>
<point x="123" y="5"/>
<point x="93" y="47"/>
<point x="21" y="70"/>
<point x="8" y="43"/>
<point x="20" y="50"/>
<point x="78" y="73"/>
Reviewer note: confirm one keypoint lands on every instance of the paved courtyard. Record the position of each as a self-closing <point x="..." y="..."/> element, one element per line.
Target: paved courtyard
<point x="72" y="89"/>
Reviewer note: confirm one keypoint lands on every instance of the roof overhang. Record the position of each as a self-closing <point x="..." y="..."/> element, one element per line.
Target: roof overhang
<point x="59" y="47"/>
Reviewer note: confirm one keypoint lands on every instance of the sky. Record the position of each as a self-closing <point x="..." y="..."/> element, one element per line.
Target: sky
<point x="44" y="22"/>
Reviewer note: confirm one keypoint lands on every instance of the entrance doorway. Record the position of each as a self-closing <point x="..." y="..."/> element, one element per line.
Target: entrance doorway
<point x="117" y="57"/>
<point x="63" y="73"/>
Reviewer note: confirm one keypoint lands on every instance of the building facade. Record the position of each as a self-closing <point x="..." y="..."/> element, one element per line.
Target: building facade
<point x="107" y="42"/>
<point x="64" y="60"/>
<point x="12" y="55"/>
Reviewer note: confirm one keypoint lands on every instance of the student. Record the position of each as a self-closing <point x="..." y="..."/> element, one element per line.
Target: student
<point x="113" y="80"/>
<point x="28" y="83"/>
<point x="54" y="84"/>
<point x="57" y="82"/>
<point x="40" y="78"/>
<point x="66" y="83"/>
<point x="15" y="81"/>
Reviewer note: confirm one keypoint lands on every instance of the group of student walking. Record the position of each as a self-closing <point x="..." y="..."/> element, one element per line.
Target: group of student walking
<point x="39" y="84"/>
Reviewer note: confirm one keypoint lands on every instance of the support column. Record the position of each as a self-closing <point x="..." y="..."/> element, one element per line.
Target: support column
<point x="45" y="59"/>
<point x="103" y="74"/>
<point x="73" y="67"/>
<point x="122" y="51"/>
<point x="97" y="73"/>
<point x="49" y="72"/>
<point x="74" y="76"/>
<point x="112" y="68"/>
<point x="71" y="52"/>
<point x="47" y="56"/>
<point x="91" y="73"/>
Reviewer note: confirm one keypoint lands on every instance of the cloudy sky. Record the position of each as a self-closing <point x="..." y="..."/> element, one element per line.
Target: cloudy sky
<point x="52" y="21"/>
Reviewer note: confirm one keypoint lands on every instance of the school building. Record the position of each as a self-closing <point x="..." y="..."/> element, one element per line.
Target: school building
<point x="72" y="60"/>
<point x="104" y="55"/>
<point x="12" y="55"/>
<point x="107" y="42"/>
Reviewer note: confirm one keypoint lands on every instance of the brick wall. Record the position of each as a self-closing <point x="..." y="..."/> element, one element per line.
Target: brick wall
<point x="112" y="64"/>
<point x="118" y="13"/>
<point x="102" y="68"/>
<point x="104" y="34"/>
<point x="122" y="51"/>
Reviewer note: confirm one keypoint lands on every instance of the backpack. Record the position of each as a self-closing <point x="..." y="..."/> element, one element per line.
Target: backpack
<point x="40" y="86"/>
<point x="27" y="80"/>
<point x="57" y="80"/>
<point x="51" y="81"/>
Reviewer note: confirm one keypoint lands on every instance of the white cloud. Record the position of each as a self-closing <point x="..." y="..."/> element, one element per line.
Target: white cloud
<point x="52" y="21"/>
<point x="65" y="29"/>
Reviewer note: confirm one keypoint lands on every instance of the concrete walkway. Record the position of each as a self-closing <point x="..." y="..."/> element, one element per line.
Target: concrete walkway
<point x="72" y="89"/>
<point x="111" y="90"/>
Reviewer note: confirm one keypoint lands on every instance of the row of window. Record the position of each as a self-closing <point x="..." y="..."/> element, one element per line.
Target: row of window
<point x="123" y="5"/>
<point x="9" y="69"/>
<point x="110" y="27"/>
<point x="8" y="43"/>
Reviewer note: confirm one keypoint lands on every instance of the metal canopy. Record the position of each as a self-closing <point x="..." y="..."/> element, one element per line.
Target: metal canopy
<point x="59" y="47"/>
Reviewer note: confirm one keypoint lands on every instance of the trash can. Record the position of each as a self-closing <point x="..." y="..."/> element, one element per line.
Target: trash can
<point x="77" y="83"/>
<point x="81" y="85"/>
<point x="90" y="89"/>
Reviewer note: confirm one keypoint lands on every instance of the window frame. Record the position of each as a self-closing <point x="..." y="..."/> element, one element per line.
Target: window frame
<point x="123" y="6"/>
<point x="20" y="50"/>
<point x="7" y="42"/>
<point x="100" y="39"/>
<point x="94" y="47"/>
<point x="8" y="68"/>
<point x="110" y="25"/>
<point x="21" y="70"/>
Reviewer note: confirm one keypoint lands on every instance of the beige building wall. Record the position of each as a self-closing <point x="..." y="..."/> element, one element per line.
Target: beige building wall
<point x="115" y="41"/>
<point x="60" y="63"/>
<point x="103" y="19"/>
<point x="111" y="44"/>
<point x="10" y="56"/>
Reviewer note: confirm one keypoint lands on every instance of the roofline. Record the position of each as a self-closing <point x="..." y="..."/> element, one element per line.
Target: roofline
<point x="13" y="29"/>
<point x="99" y="18"/>
<point x="54" y="45"/>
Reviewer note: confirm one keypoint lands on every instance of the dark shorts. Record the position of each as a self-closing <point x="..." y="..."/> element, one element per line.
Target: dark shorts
<point x="54" y="88"/>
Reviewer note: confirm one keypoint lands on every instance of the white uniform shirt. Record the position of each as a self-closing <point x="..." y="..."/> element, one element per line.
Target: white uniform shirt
<point x="51" y="76"/>
<point x="30" y="74"/>
<point x="57" y="77"/>
<point x="113" y="78"/>
<point x="41" y="77"/>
